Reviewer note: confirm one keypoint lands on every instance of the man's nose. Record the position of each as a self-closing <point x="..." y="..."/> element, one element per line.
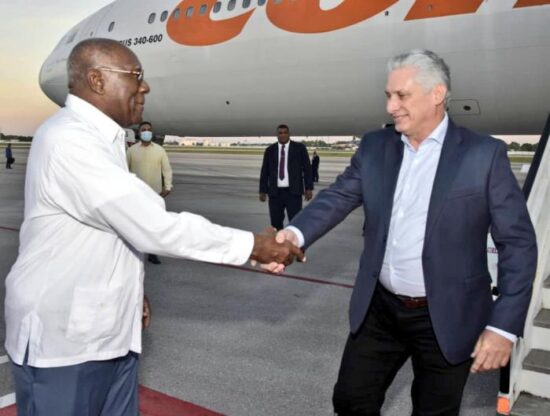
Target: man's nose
<point x="391" y="104"/>
<point x="144" y="87"/>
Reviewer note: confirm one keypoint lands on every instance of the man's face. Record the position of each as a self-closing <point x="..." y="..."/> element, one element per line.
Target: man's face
<point x="145" y="127"/>
<point x="283" y="136"/>
<point x="415" y="110"/>
<point x="124" y="92"/>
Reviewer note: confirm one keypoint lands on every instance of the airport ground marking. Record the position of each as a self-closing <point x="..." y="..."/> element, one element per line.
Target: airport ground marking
<point x="7" y="405"/>
<point x="151" y="403"/>
<point x="288" y="276"/>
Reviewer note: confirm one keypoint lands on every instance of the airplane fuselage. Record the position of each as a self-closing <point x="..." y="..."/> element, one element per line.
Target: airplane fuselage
<point x="320" y="65"/>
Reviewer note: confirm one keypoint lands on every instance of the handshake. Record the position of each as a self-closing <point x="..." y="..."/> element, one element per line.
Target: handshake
<point x="275" y="250"/>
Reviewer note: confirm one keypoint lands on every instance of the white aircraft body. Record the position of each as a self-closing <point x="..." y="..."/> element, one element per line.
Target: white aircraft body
<point x="240" y="67"/>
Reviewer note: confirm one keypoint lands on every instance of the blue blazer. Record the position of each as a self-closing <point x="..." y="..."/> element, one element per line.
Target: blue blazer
<point x="474" y="190"/>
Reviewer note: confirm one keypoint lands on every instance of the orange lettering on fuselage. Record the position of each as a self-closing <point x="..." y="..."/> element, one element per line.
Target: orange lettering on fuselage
<point x="200" y="30"/>
<point x="306" y="16"/>
<point x="528" y="3"/>
<point x="425" y="9"/>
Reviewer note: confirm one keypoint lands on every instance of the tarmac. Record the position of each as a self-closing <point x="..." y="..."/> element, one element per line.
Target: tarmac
<point x="235" y="340"/>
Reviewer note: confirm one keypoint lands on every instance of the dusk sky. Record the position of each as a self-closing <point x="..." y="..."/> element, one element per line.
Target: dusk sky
<point x="29" y="31"/>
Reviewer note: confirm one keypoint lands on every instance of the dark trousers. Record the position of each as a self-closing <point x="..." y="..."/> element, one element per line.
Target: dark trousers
<point x="8" y="163"/>
<point x="390" y="335"/>
<point x="277" y="205"/>
<point x="315" y="172"/>
<point x="94" y="388"/>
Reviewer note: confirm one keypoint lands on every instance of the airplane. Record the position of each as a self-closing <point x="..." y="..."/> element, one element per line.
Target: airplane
<point x="240" y="67"/>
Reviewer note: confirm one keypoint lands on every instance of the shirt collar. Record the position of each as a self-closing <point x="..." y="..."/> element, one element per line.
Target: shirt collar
<point x="106" y="126"/>
<point x="437" y="135"/>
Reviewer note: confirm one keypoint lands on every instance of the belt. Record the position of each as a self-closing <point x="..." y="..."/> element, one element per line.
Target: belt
<point x="412" y="303"/>
<point x="408" y="301"/>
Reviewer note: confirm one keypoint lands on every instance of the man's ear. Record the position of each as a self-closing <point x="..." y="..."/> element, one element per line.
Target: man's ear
<point x="439" y="93"/>
<point x="96" y="81"/>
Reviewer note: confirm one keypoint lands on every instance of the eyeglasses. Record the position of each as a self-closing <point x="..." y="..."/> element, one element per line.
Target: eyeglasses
<point x="138" y="73"/>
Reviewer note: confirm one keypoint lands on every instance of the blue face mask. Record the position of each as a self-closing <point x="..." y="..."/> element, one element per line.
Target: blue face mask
<point x="146" y="136"/>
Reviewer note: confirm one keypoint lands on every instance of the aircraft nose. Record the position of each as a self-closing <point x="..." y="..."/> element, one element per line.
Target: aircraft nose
<point x="53" y="79"/>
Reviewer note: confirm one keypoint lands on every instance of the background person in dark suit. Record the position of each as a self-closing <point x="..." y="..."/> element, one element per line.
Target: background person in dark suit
<point x="315" y="166"/>
<point x="430" y="191"/>
<point x="286" y="172"/>
<point x="9" y="156"/>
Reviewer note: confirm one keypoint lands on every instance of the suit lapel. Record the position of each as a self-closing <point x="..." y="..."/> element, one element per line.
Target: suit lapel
<point x="449" y="162"/>
<point x="393" y="156"/>
<point x="289" y="149"/>
<point x="275" y="155"/>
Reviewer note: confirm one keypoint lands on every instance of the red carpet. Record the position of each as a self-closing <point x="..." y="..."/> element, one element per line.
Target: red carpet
<point x="152" y="403"/>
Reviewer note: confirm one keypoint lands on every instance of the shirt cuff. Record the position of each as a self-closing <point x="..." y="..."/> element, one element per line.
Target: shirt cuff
<point x="510" y="337"/>
<point x="298" y="233"/>
<point x="241" y="248"/>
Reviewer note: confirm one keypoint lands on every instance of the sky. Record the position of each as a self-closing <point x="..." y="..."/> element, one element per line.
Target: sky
<point x="29" y="31"/>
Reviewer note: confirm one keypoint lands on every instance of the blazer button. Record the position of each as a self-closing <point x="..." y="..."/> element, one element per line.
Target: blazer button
<point x="376" y="274"/>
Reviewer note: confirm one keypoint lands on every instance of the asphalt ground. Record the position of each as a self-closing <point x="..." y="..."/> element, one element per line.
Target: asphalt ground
<point x="242" y="342"/>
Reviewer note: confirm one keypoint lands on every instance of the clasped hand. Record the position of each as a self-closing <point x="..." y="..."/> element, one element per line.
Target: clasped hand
<point x="276" y="250"/>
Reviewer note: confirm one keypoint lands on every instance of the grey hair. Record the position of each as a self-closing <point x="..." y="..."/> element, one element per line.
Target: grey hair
<point x="432" y="69"/>
<point x="84" y="57"/>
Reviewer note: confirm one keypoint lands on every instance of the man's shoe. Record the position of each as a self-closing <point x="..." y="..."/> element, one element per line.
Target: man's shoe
<point x="153" y="259"/>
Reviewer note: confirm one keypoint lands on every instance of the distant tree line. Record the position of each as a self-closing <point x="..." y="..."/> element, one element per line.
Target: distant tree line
<point x="315" y="143"/>
<point x="9" y="137"/>
<point x="525" y="147"/>
<point x="513" y="146"/>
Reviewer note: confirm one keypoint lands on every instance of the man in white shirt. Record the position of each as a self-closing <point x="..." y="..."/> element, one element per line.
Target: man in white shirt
<point x="74" y="296"/>
<point x="430" y="191"/>
<point x="150" y="163"/>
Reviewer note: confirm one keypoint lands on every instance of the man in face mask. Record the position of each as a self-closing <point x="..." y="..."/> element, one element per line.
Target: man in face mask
<point x="150" y="163"/>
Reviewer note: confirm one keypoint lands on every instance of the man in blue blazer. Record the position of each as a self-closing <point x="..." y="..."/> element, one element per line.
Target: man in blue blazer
<point x="430" y="191"/>
<point x="286" y="175"/>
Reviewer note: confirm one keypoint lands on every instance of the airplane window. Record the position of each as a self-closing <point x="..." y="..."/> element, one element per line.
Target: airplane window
<point x="217" y="7"/>
<point x="261" y="2"/>
<point x="231" y="5"/>
<point x="202" y="10"/>
<point x="276" y="1"/>
<point x="246" y="3"/>
<point x="163" y="16"/>
<point x="176" y="14"/>
<point x="111" y="26"/>
<point x="152" y="18"/>
<point x="189" y="11"/>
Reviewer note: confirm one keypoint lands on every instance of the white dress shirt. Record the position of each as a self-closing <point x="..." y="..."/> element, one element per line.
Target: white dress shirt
<point x="402" y="272"/>
<point x="75" y="292"/>
<point x="284" y="183"/>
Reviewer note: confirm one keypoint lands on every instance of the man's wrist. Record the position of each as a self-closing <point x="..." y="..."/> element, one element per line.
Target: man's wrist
<point x="298" y="234"/>
<point x="510" y="337"/>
